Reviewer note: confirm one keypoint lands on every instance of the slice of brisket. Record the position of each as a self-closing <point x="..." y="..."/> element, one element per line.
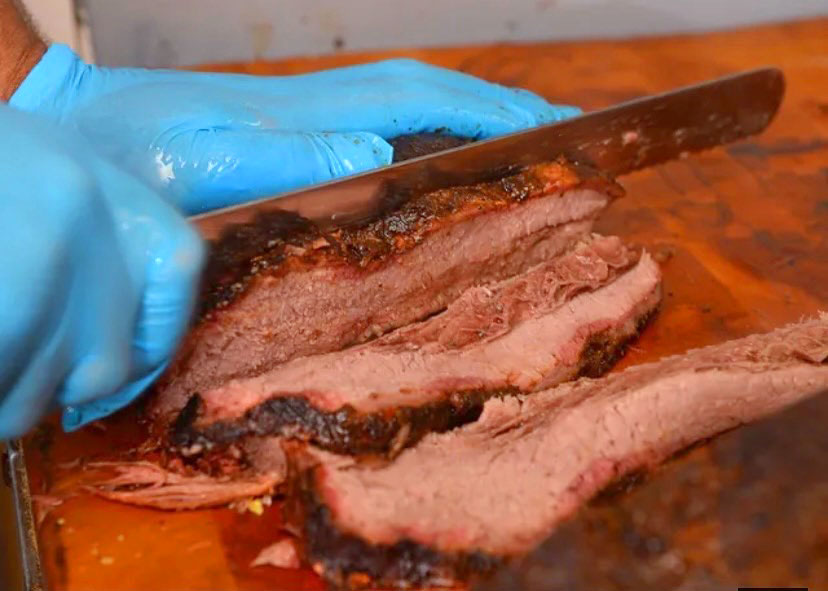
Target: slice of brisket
<point x="147" y="484"/>
<point x="462" y="501"/>
<point x="566" y="317"/>
<point x="280" y="288"/>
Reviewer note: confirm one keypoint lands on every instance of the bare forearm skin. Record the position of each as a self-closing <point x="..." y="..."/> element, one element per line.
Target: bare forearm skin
<point x="20" y="47"/>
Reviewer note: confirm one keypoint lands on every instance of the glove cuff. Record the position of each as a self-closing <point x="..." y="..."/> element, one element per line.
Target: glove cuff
<point x="48" y="88"/>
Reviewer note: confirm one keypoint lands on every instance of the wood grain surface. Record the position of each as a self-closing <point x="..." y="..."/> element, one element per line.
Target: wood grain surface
<point x="743" y="233"/>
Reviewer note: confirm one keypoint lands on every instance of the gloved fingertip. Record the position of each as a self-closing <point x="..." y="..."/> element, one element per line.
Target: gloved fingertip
<point x="350" y="153"/>
<point x="566" y="112"/>
<point x="555" y="113"/>
<point x="169" y="296"/>
<point x="97" y="375"/>
<point x="183" y="257"/>
<point x="76" y="416"/>
<point x="72" y="419"/>
<point x="537" y="109"/>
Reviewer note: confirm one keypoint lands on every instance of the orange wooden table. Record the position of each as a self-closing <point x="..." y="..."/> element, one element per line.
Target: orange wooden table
<point x="743" y="232"/>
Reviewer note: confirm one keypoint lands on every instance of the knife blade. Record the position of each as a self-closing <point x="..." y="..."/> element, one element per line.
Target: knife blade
<point x="618" y="140"/>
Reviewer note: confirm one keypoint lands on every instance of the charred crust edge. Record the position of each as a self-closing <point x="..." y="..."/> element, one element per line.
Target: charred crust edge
<point x="349" y="562"/>
<point x="348" y="431"/>
<point x="344" y="431"/>
<point x="267" y="244"/>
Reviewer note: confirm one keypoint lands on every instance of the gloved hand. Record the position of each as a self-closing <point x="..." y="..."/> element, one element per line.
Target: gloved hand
<point x="209" y="140"/>
<point x="97" y="277"/>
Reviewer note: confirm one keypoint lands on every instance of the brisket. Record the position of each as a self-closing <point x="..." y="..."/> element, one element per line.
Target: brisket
<point x="148" y="484"/>
<point x="463" y="501"/>
<point x="569" y="316"/>
<point x="407" y="147"/>
<point x="280" y="288"/>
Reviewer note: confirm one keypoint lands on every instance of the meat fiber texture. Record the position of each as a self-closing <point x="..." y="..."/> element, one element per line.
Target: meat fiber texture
<point x="569" y="316"/>
<point x="461" y="501"/>
<point x="281" y="288"/>
<point x="147" y="484"/>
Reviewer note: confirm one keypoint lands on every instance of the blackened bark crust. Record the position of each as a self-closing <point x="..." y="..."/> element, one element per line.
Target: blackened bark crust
<point x="407" y="147"/>
<point x="263" y="246"/>
<point x="349" y="562"/>
<point x="264" y="241"/>
<point x="347" y="431"/>
<point x="344" y="431"/>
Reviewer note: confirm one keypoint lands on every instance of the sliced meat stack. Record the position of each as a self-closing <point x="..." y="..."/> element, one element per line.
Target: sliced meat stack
<point x="395" y="364"/>
<point x="462" y="501"/>
<point x="281" y="288"/>
<point x="567" y="317"/>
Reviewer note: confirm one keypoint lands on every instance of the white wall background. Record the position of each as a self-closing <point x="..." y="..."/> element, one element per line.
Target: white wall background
<point x="58" y="21"/>
<point x="55" y="18"/>
<point x="184" y="32"/>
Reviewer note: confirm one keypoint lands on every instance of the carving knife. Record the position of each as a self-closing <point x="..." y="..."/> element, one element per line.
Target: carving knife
<point x="618" y="140"/>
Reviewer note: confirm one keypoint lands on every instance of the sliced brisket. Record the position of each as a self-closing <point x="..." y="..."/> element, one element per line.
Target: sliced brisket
<point x="566" y="317"/>
<point x="407" y="147"/>
<point x="148" y="484"/>
<point x="280" y="288"/>
<point x="461" y="501"/>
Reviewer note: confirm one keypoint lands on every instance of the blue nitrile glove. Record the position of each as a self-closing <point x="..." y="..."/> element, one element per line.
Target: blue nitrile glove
<point x="97" y="277"/>
<point x="215" y="139"/>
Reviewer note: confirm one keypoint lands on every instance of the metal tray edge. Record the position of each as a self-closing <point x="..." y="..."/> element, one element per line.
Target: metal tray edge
<point x="26" y="523"/>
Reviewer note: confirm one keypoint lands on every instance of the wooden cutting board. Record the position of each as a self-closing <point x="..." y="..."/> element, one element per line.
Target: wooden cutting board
<point x="743" y="233"/>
